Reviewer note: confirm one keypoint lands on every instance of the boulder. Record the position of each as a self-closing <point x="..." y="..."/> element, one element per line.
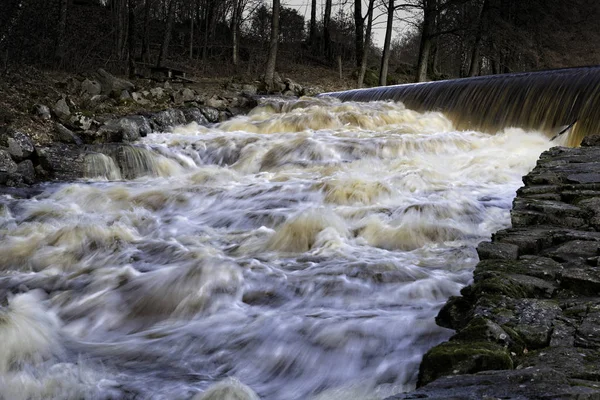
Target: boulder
<point x="164" y="120"/>
<point x="249" y="90"/>
<point x="183" y="96"/>
<point x="65" y="135"/>
<point x="90" y="88"/>
<point x="294" y="87"/>
<point x="194" y="114"/>
<point x="119" y="130"/>
<point x="125" y="96"/>
<point x="26" y="170"/>
<point x="113" y="85"/>
<point x="7" y="165"/>
<point x="211" y="113"/>
<point x="18" y="144"/>
<point x="80" y="122"/>
<point x="42" y="111"/>
<point x="215" y="102"/>
<point x="158" y="93"/>
<point x="61" y="109"/>
<point x="142" y="123"/>
<point x="139" y="98"/>
<point x="63" y="161"/>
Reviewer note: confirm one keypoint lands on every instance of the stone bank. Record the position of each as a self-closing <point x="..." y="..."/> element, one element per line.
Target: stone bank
<point x="528" y="327"/>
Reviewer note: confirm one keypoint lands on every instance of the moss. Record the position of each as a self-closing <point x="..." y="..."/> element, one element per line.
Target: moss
<point x="463" y="357"/>
<point x="500" y="285"/>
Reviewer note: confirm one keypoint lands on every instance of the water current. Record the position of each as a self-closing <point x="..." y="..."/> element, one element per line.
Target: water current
<point x="299" y="252"/>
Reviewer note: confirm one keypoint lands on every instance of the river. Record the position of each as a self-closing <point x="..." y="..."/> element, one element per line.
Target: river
<point x="300" y="252"/>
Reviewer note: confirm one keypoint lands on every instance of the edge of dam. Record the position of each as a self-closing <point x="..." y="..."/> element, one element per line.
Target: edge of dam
<point x="528" y="327"/>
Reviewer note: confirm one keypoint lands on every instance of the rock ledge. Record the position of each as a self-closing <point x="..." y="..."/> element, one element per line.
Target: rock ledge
<point x="528" y="327"/>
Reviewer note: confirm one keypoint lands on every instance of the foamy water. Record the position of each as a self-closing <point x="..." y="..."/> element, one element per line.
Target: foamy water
<point x="299" y="252"/>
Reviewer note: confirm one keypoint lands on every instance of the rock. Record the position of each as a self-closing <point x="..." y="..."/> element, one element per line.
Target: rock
<point x="65" y="135"/>
<point x="211" y="114"/>
<point x="139" y="98"/>
<point x="81" y="122"/>
<point x="504" y="251"/>
<point x="63" y="161"/>
<point x="215" y="102"/>
<point x="142" y="123"/>
<point x="125" y="96"/>
<point x="7" y="165"/>
<point x="113" y="85"/>
<point x="27" y="171"/>
<point x="121" y="130"/>
<point x="294" y="87"/>
<point x="224" y="115"/>
<point x="459" y="357"/>
<point x="98" y="99"/>
<point x="42" y="111"/>
<point x="193" y="114"/>
<point x="165" y="120"/>
<point x="183" y="95"/>
<point x="249" y="90"/>
<point x="158" y="93"/>
<point x="591" y="141"/>
<point x="288" y="93"/>
<point x="523" y="384"/>
<point x="61" y="110"/>
<point x="90" y="88"/>
<point x="228" y="389"/>
<point x="18" y="144"/>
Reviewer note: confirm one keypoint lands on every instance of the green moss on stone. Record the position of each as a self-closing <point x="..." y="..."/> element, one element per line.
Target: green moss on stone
<point x="463" y="357"/>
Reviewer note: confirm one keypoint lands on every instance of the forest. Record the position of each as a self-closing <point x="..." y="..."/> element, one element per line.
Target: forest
<point x="424" y="39"/>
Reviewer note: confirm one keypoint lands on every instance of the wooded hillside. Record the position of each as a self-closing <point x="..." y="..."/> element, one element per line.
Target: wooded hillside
<point x="438" y="38"/>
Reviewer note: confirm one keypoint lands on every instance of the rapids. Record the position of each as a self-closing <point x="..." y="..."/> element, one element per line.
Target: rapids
<point x="299" y="252"/>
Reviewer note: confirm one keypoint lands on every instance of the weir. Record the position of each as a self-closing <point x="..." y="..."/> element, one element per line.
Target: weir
<point x="548" y="101"/>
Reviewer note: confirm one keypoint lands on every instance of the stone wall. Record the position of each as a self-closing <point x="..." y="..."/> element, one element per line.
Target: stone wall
<point x="529" y="325"/>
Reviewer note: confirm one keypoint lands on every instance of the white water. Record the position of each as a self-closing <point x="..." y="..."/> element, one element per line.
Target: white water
<point x="301" y="252"/>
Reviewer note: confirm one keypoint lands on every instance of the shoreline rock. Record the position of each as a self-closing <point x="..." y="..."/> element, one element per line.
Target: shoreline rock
<point x="528" y="327"/>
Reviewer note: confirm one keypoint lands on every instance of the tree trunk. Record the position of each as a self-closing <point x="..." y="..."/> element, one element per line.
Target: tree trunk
<point x="326" y="31"/>
<point x="164" y="47"/>
<point x="359" y="25"/>
<point x="366" y="44"/>
<point x="59" y="52"/>
<point x="206" y="30"/>
<point x="425" y="47"/>
<point x="272" y="59"/>
<point x="234" y="32"/>
<point x="192" y="17"/>
<point x="313" y="22"/>
<point x="385" y="57"/>
<point x="130" y="39"/>
<point x="476" y="53"/>
<point x="146" y="37"/>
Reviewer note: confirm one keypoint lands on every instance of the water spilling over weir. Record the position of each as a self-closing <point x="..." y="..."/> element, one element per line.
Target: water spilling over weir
<point x="299" y="252"/>
<point x="547" y="101"/>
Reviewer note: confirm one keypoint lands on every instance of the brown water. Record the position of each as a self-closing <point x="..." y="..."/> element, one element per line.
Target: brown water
<point x="300" y="252"/>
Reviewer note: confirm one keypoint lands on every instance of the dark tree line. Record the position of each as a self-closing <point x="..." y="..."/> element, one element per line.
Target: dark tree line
<point x="446" y="38"/>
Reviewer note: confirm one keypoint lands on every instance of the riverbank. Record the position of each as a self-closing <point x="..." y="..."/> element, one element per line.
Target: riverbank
<point x="528" y="327"/>
<point x="50" y="121"/>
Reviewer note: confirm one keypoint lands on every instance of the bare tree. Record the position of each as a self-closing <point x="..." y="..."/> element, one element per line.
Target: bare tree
<point x="62" y="28"/>
<point x="359" y="27"/>
<point x="385" y="57"/>
<point x="313" y="22"/>
<point x="164" y="47"/>
<point x="366" y="44"/>
<point x="273" y="44"/>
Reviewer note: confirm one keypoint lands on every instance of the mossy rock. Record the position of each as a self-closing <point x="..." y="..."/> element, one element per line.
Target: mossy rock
<point x="463" y="357"/>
